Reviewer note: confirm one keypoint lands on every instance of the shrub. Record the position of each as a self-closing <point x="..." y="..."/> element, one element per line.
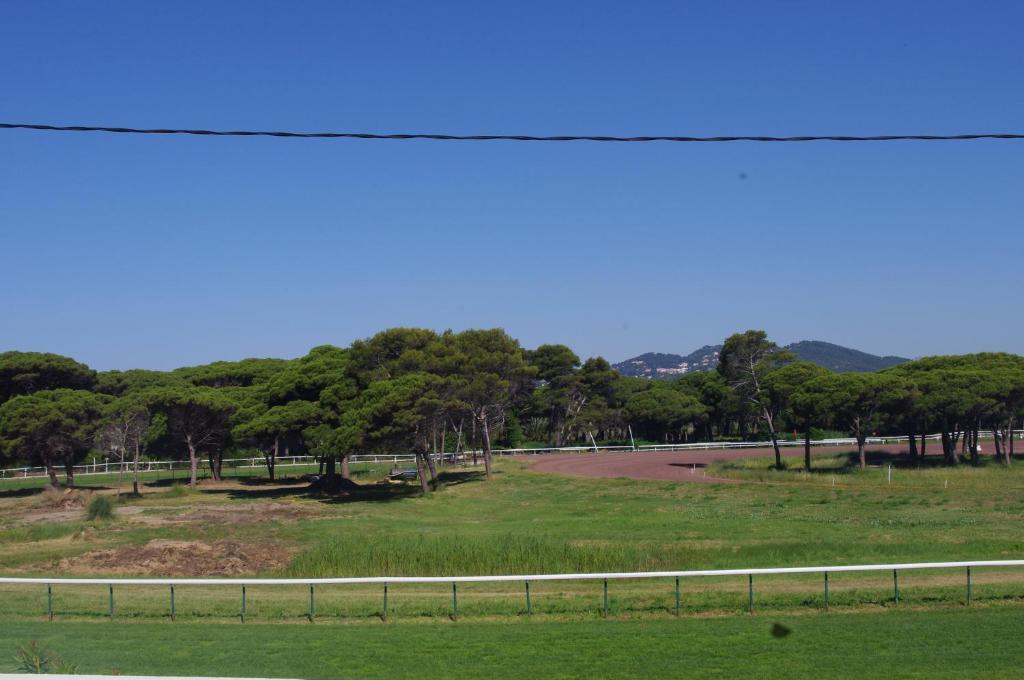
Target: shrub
<point x="99" y="508"/>
<point x="177" y="491"/>
<point x="32" y="658"/>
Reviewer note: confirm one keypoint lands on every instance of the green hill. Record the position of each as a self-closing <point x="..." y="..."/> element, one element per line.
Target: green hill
<point x="833" y="357"/>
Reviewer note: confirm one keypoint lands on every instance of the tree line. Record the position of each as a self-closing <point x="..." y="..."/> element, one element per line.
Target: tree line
<point x="418" y="391"/>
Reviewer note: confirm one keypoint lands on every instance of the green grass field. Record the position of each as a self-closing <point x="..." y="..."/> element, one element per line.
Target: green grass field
<point x="986" y="642"/>
<point x="526" y="522"/>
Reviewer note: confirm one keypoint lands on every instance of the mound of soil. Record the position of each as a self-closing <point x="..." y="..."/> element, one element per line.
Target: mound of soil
<point x="162" y="557"/>
<point x="252" y="513"/>
<point x="63" y="499"/>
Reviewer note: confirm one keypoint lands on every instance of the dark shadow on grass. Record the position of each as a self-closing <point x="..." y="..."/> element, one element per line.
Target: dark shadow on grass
<point x="394" y="491"/>
<point x="934" y="459"/>
<point x="454" y="477"/>
<point x="256" y="488"/>
<point x="22" y="492"/>
<point x="169" y="482"/>
<point x="263" y="481"/>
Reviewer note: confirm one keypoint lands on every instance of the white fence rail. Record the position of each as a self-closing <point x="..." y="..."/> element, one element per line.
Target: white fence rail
<point x="114" y="467"/>
<point x="525" y="579"/>
<point x="503" y="578"/>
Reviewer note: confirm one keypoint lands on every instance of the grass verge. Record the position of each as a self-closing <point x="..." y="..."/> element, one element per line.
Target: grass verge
<point x="947" y="643"/>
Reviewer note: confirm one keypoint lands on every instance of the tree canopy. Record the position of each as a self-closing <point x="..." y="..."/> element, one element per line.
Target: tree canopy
<point x="414" y="390"/>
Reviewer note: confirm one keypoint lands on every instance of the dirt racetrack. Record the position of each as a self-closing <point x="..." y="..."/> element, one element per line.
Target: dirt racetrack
<point x="680" y="466"/>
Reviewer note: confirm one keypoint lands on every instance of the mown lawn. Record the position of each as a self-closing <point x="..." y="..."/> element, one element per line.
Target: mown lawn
<point x="986" y="642"/>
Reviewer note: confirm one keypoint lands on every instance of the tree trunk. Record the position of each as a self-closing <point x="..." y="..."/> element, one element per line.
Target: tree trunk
<point x="458" y="440"/>
<point x="69" y="471"/>
<point x="1009" y="453"/>
<point x="51" y="471"/>
<point x="270" y="456"/>
<point x="330" y="470"/>
<point x="473" y="439"/>
<point x="135" y="470"/>
<point x="912" y="439"/>
<point x="770" y="421"/>
<point x="924" y="444"/>
<point x="807" y="449"/>
<point x="421" y="473"/>
<point x="778" y="451"/>
<point x="215" y="460"/>
<point x="486" y="436"/>
<point x="432" y="468"/>
<point x="346" y="471"/>
<point x="949" y="448"/>
<point x="193" y="461"/>
<point x="1003" y="438"/>
<point x="861" y="456"/>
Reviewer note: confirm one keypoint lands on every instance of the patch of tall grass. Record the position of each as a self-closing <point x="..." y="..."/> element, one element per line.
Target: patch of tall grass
<point x="178" y="491"/>
<point x="41" y="531"/>
<point x="453" y="554"/>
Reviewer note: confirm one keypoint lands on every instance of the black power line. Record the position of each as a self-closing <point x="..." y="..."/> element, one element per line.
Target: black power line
<point x="513" y="138"/>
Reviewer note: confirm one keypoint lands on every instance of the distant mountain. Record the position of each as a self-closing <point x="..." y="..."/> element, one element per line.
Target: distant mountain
<point x="841" y="359"/>
<point x="656" y="365"/>
<point x="833" y="357"/>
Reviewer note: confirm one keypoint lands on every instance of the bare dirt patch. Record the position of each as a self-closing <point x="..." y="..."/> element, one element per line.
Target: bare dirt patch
<point x="251" y="513"/>
<point x="677" y="466"/>
<point x="234" y="514"/>
<point x="163" y="557"/>
<point x="54" y="505"/>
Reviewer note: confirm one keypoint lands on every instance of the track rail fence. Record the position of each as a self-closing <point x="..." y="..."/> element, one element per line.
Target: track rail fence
<point x="526" y="580"/>
<point x="172" y="466"/>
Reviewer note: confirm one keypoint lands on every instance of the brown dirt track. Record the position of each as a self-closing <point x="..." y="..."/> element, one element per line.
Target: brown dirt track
<point x="677" y="466"/>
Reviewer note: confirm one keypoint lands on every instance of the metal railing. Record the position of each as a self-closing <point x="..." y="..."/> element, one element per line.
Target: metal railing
<point x="385" y="581"/>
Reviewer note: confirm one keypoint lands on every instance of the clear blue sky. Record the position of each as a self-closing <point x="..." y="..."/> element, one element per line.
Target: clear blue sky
<point x="157" y="252"/>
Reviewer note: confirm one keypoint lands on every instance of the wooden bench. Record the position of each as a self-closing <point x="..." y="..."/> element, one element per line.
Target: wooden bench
<point x="403" y="473"/>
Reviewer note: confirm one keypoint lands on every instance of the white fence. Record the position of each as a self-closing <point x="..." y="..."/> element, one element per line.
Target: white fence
<point x="503" y="578"/>
<point x="170" y="466"/>
<point x="526" y="579"/>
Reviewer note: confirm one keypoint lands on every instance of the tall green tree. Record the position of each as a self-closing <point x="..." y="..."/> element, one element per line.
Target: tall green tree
<point x="559" y="396"/>
<point x="272" y="429"/>
<point x="713" y="391"/>
<point x="662" y="413"/>
<point x="397" y="414"/>
<point x="488" y="367"/>
<point x="745" y="361"/>
<point x="601" y="409"/>
<point x="134" y="381"/>
<point x="792" y="392"/>
<point x="859" y="402"/>
<point x="953" y="401"/>
<point x="198" y="418"/>
<point x="1004" y="389"/>
<point x="54" y="427"/>
<point x="28" y="372"/>
<point x="123" y="432"/>
<point x="243" y="373"/>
